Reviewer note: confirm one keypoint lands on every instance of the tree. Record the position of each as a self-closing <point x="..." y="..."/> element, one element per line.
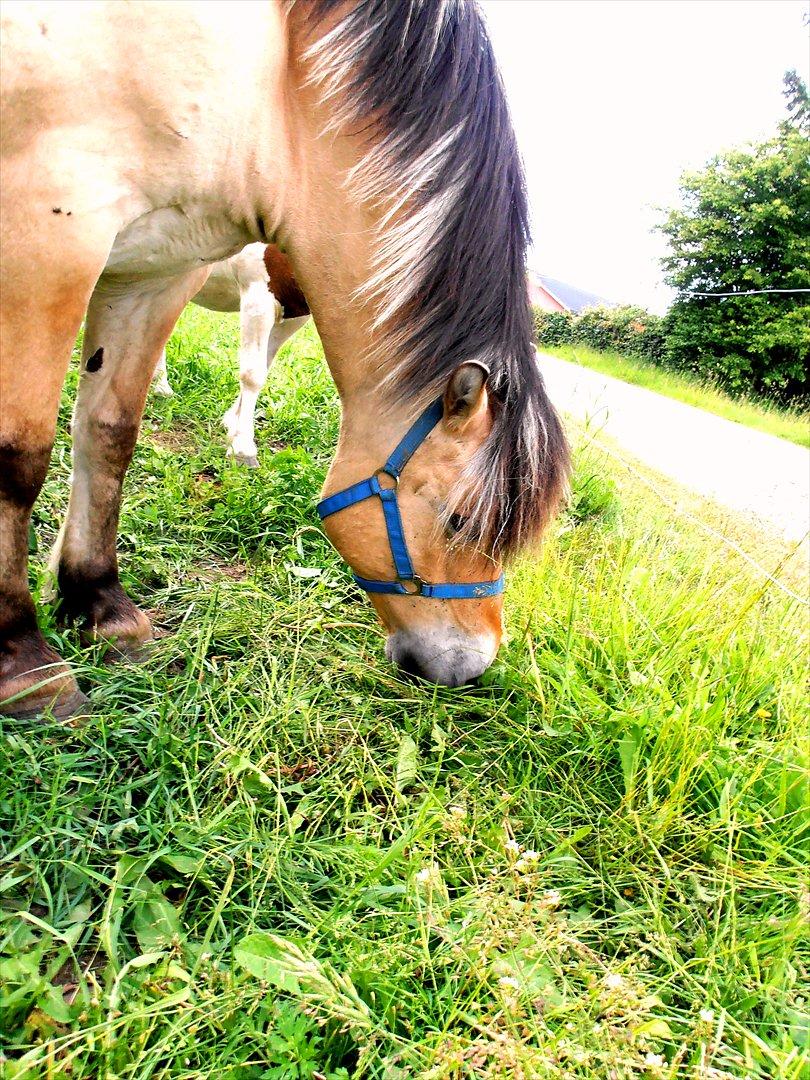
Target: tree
<point x="798" y="102"/>
<point x="744" y="224"/>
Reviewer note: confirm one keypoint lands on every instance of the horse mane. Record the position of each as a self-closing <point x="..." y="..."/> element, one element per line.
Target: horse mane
<point x="419" y="78"/>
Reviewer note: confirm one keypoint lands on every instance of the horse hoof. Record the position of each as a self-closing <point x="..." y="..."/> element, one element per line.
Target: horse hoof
<point x="34" y="680"/>
<point x="63" y="706"/>
<point x="128" y="647"/>
<point x="163" y="391"/>
<point x="105" y="615"/>
<point x="250" y="461"/>
<point x="127" y="652"/>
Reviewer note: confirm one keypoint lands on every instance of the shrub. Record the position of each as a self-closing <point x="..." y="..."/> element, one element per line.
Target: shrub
<point x="552" y="327"/>
<point x="747" y="344"/>
<point x="630" y="330"/>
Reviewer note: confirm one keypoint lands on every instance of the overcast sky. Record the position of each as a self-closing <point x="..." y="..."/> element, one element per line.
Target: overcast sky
<point x="613" y="99"/>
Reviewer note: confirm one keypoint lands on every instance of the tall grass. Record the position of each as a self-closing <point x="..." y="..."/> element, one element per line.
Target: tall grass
<point x="266" y="856"/>
<point x="793" y="425"/>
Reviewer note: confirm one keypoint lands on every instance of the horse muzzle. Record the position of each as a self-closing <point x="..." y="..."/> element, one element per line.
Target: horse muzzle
<point x="446" y="657"/>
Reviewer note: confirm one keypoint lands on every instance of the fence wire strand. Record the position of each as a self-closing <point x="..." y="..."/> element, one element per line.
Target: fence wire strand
<point x="747" y="292"/>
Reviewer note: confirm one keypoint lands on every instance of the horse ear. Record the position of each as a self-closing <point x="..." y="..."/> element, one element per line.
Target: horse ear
<point x="466" y="394"/>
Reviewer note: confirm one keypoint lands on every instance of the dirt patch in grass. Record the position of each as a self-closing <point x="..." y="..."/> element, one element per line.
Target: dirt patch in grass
<point x="176" y="439"/>
<point x="215" y="568"/>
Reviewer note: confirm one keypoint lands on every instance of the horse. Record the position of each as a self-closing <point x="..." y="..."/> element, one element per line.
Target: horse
<point x="259" y="283"/>
<point x="372" y="142"/>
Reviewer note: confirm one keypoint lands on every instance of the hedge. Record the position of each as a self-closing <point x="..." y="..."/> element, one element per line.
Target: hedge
<point x="630" y="330"/>
<point x="779" y="372"/>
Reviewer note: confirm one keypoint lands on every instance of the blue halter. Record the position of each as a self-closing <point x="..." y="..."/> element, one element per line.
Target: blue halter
<point x="408" y="583"/>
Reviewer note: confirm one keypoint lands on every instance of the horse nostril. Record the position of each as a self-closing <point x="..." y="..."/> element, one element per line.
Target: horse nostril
<point x="407" y="661"/>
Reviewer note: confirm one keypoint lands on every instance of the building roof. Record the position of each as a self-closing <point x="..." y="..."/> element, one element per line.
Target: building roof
<point x="571" y="298"/>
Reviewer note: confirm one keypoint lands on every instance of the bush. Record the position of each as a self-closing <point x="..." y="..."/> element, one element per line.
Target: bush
<point x="630" y="330"/>
<point x="552" y="327"/>
<point x="746" y="345"/>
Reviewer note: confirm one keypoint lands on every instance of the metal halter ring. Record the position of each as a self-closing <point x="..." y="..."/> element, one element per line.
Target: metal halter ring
<point x="415" y="581"/>
<point x="390" y="476"/>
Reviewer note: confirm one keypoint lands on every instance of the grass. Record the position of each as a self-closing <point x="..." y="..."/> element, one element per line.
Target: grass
<point x="266" y="857"/>
<point x="784" y="423"/>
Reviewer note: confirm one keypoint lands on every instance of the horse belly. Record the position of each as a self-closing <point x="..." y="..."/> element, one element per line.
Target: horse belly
<point x="171" y="240"/>
<point x="107" y="132"/>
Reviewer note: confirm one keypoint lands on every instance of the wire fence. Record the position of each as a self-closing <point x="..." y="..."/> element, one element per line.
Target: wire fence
<point x="747" y="292"/>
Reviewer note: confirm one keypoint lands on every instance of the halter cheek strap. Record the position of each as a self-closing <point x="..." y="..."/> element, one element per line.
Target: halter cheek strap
<point x="407" y="583"/>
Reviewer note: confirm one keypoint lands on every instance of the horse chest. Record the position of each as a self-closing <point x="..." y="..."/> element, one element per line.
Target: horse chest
<point x="172" y="240"/>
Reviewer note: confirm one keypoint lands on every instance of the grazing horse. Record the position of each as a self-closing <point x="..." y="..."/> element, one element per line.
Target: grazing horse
<point x="372" y="141"/>
<point x="260" y="285"/>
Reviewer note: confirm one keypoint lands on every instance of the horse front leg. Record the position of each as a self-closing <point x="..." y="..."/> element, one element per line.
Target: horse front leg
<point x="43" y="300"/>
<point x="125" y="334"/>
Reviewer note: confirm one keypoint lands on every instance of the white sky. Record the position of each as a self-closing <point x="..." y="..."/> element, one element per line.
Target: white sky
<point x="613" y="99"/>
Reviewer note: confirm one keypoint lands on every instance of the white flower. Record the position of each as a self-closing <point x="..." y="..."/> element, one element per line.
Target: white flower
<point x="511" y="847"/>
<point x="654" y="1060"/>
<point x="613" y="981"/>
<point x="526" y="861"/>
<point x="707" y="1016"/>
<point x="507" y="980"/>
<point x="552" y="898"/>
<point x="457" y="811"/>
<point x="431" y="874"/>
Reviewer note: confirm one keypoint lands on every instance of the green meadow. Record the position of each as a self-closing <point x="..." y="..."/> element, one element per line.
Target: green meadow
<point x="265" y="856"/>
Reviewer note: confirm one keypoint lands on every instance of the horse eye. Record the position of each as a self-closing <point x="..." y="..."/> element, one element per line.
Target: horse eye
<point x="455" y="523"/>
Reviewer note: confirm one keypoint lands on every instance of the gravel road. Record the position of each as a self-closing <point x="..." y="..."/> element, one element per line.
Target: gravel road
<point x="739" y="467"/>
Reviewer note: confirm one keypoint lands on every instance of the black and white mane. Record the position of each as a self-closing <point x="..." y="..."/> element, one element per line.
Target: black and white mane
<point x="449" y="275"/>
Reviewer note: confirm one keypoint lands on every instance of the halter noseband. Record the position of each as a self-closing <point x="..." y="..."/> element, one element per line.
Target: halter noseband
<point x="408" y="583"/>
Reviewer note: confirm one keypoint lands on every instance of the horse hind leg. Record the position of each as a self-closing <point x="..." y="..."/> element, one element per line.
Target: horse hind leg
<point x="124" y="337"/>
<point x="240" y="418"/>
<point x="160" y="380"/>
<point x="258" y="313"/>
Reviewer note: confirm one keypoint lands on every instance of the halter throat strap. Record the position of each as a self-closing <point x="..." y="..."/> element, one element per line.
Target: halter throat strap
<point x="408" y="582"/>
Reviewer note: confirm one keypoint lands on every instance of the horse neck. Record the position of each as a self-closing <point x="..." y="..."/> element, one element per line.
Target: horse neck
<point x="371" y="417"/>
<point x="330" y="237"/>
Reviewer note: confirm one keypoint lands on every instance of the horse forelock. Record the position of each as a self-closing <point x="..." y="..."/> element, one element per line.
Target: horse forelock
<point x="448" y="280"/>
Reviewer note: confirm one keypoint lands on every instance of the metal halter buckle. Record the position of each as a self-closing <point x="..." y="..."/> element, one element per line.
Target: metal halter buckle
<point x="415" y="581"/>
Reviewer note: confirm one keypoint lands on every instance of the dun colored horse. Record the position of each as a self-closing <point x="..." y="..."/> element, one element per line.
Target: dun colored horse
<point x="372" y="142"/>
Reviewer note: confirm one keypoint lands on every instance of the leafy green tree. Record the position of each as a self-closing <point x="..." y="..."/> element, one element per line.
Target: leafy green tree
<point x="798" y="102"/>
<point x="744" y="224"/>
